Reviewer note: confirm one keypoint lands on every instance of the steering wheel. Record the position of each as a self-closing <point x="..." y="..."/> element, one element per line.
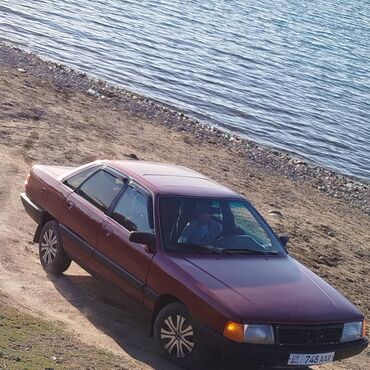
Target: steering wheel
<point x="237" y="241"/>
<point x="233" y="231"/>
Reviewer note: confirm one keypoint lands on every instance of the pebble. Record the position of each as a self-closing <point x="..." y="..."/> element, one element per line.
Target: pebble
<point x="92" y="92"/>
<point x="21" y="70"/>
<point x="274" y="212"/>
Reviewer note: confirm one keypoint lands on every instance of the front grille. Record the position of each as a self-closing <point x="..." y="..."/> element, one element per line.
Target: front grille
<point x="297" y="334"/>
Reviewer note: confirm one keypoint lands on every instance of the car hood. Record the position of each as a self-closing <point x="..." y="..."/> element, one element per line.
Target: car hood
<point x="275" y="289"/>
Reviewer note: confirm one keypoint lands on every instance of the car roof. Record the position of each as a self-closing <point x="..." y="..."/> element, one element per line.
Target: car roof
<point x="170" y="179"/>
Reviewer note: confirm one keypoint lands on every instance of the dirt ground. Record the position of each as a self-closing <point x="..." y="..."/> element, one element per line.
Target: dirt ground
<point x="42" y="123"/>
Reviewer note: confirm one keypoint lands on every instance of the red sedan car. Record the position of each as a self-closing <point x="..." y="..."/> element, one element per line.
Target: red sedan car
<point x="196" y="254"/>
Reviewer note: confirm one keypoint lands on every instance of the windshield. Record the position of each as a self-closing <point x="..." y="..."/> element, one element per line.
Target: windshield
<point x="202" y="225"/>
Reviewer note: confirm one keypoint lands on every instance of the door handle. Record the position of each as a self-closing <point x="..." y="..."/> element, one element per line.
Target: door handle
<point x="70" y="204"/>
<point x="108" y="231"/>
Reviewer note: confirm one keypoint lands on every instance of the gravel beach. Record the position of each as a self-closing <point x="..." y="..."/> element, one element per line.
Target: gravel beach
<point x="51" y="114"/>
<point x="355" y="191"/>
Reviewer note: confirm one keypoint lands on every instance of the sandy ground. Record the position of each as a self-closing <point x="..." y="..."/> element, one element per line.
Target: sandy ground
<point x="41" y="122"/>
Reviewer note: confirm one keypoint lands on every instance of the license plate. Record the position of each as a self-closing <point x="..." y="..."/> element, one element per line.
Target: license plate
<point x="310" y="358"/>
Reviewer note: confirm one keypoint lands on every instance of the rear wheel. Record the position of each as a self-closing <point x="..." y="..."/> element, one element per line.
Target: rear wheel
<point x="52" y="256"/>
<point x="175" y="335"/>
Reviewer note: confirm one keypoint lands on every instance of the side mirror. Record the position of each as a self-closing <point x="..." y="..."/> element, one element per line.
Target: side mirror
<point x="143" y="238"/>
<point x="284" y="240"/>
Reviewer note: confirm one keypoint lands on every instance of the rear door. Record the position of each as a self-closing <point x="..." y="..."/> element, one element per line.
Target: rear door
<point x="127" y="263"/>
<point x="84" y="212"/>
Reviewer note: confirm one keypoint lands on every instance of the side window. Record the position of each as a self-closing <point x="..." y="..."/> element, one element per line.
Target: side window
<point x="76" y="180"/>
<point x="134" y="210"/>
<point x="100" y="189"/>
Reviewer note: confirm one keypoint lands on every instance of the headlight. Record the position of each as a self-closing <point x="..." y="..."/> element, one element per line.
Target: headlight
<point x="249" y="333"/>
<point x="352" y="331"/>
<point x="259" y="334"/>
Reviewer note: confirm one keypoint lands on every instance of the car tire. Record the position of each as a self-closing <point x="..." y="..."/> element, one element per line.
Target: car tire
<point x="175" y="335"/>
<point x="51" y="252"/>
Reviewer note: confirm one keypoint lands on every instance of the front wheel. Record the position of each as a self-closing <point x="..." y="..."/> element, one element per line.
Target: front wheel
<point x="51" y="252"/>
<point x="175" y="335"/>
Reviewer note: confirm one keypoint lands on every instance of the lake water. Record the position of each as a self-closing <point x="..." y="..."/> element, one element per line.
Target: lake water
<point x="290" y="74"/>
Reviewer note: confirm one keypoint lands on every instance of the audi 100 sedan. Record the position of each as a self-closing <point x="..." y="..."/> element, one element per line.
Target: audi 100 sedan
<point x="196" y="254"/>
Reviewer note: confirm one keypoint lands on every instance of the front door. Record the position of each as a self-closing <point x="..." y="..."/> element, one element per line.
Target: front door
<point x="127" y="263"/>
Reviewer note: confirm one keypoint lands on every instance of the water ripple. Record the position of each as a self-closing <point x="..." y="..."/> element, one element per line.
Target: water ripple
<point x="295" y="75"/>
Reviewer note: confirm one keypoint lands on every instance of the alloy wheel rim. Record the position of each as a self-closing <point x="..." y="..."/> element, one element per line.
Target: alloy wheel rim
<point x="177" y="336"/>
<point x="49" y="246"/>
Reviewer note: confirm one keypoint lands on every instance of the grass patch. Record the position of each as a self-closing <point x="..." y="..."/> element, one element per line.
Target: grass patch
<point x="30" y="343"/>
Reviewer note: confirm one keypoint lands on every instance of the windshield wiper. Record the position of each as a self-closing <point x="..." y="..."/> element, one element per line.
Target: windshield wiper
<point x="210" y="249"/>
<point x="200" y="248"/>
<point x="247" y="251"/>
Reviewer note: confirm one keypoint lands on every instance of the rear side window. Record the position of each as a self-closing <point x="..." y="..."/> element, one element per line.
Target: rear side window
<point x="134" y="210"/>
<point x="76" y="180"/>
<point x="100" y="189"/>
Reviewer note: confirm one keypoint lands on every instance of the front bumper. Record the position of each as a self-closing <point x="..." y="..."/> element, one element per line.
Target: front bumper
<point x="34" y="211"/>
<point x="275" y="355"/>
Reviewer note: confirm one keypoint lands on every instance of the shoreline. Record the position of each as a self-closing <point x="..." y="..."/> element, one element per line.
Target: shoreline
<point x="288" y="164"/>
